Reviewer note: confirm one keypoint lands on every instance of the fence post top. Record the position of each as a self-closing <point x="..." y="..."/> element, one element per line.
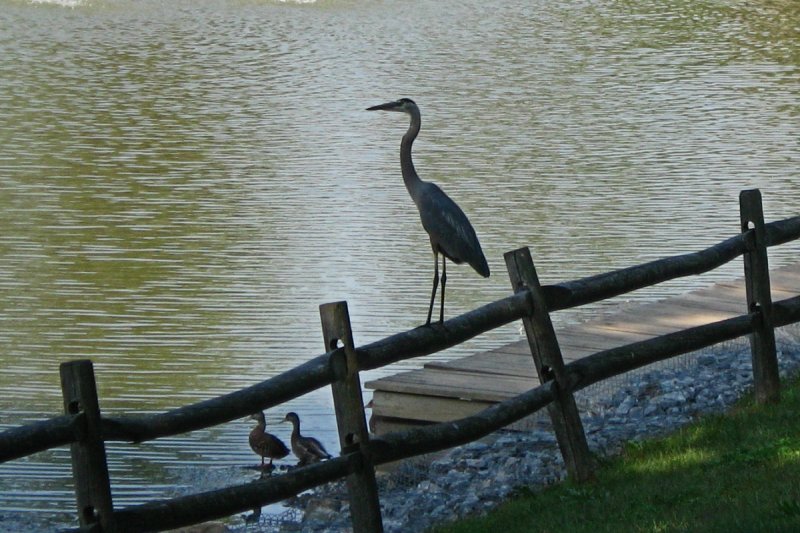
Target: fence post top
<point x="333" y="305"/>
<point x="76" y="362"/>
<point x="519" y="251"/>
<point x="749" y="194"/>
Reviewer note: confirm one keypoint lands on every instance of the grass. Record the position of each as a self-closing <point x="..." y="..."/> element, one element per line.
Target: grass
<point x="738" y="472"/>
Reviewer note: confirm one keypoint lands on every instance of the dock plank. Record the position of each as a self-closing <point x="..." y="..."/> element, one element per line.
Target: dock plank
<point x="455" y="384"/>
<point x="499" y="364"/>
<point x="423" y="407"/>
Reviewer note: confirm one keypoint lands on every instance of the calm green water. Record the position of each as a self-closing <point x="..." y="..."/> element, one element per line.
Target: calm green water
<point x="183" y="183"/>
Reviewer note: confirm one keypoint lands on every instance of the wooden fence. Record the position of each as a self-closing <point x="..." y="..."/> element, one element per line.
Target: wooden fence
<point x="86" y="431"/>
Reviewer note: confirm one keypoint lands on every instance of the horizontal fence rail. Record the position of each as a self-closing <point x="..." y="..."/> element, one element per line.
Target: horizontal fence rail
<point x="340" y="367"/>
<point x="603" y="286"/>
<point x="202" y="507"/>
<point x="37" y="437"/>
<point x="315" y="374"/>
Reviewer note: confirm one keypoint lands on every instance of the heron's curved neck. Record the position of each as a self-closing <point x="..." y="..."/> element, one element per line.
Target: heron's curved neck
<point x="410" y="177"/>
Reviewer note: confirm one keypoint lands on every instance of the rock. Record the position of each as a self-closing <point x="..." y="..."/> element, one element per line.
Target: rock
<point x="429" y="487"/>
<point x="626" y="405"/>
<point x="669" y="400"/>
<point x="322" y="510"/>
<point x="706" y="359"/>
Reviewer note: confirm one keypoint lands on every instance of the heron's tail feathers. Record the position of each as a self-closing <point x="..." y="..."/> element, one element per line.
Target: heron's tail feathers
<point x="481" y="266"/>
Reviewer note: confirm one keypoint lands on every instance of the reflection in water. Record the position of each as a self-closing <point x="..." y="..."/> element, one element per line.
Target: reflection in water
<point x="182" y="185"/>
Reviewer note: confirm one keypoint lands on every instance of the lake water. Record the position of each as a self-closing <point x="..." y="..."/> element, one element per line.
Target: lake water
<point x="183" y="183"/>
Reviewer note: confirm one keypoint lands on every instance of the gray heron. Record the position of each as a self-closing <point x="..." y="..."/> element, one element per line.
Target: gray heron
<point x="449" y="230"/>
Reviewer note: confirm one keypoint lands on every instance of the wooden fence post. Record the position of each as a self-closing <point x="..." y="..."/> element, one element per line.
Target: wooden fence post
<point x="550" y="366"/>
<point x="759" y="298"/>
<point x="89" y="467"/>
<point x="365" y="506"/>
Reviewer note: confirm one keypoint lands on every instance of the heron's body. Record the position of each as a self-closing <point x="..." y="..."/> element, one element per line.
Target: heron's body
<point x="448" y="228"/>
<point x="265" y="444"/>
<point x="442" y="217"/>
<point x="307" y="449"/>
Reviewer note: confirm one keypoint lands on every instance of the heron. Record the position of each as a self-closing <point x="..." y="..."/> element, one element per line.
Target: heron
<point x="448" y="228"/>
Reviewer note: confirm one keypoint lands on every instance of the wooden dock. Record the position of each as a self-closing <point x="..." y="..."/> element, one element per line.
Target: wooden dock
<point x="442" y="391"/>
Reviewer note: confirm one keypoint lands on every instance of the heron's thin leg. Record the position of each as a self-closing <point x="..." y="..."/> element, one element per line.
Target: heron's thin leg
<point x="444" y="280"/>
<point x="435" y="285"/>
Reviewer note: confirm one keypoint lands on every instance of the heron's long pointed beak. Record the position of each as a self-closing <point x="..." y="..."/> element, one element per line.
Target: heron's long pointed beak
<point x="388" y="106"/>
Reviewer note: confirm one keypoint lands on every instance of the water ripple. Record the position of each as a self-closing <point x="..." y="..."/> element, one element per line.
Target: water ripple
<point x="182" y="184"/>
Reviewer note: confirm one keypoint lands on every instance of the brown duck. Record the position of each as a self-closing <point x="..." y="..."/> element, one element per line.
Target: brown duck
<point x="307" y="449"/>
<point x="265" y="444"/>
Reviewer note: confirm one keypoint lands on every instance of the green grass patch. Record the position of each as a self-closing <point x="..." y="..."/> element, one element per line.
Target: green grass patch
<point x="738" y="472"/>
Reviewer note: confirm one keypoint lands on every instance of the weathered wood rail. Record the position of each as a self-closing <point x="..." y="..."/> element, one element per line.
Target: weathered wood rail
<point x="86" y="430"/>
<point x="445" y="390"/>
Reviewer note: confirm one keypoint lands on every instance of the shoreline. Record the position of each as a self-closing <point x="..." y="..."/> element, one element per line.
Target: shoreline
<point x="478" y="476"/>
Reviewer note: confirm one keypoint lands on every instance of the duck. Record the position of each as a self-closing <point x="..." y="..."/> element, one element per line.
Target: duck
<point x="307" y="449"/>
<point x="266" y="444"/>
